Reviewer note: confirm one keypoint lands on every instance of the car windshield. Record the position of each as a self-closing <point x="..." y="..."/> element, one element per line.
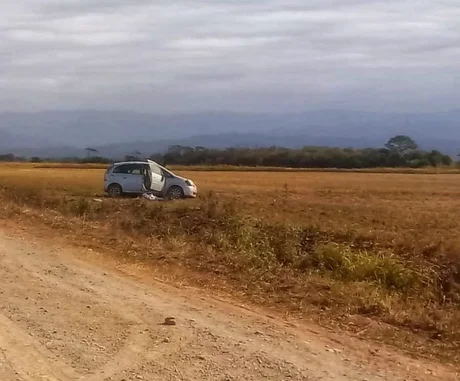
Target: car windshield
<point x="168" y="172"/>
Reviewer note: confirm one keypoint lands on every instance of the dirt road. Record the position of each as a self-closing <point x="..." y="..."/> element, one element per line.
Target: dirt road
<point x="64" y="317"/>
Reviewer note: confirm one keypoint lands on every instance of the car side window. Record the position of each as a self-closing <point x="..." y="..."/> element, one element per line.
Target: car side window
<point x="136" y="169"/>
<point x="129" y="169"/>
<point x="121" y="169"/>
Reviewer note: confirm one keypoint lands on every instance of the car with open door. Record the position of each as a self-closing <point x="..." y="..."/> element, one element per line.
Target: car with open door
<point x="138" y="177"/>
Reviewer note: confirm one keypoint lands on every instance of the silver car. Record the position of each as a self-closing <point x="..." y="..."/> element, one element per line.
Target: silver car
<point x="138" y="177"/>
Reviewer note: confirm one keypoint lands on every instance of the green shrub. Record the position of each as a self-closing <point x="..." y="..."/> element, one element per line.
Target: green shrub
<point x="382" y="267"/>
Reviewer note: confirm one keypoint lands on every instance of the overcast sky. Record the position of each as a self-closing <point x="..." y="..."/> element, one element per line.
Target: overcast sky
<point x="251" y="55"/>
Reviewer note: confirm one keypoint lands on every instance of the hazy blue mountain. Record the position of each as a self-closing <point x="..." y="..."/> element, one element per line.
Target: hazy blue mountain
<point x="11" y="140"/>
<point x="67" y="133"/>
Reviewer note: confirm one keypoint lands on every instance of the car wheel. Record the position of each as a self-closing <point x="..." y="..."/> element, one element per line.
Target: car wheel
<point x="175" y="193"/>
<point x="115" y="190"/>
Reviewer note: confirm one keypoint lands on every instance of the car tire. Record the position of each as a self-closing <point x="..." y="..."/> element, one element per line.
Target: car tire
<point x="114" y="190"/>
<point x="175" y="193"/>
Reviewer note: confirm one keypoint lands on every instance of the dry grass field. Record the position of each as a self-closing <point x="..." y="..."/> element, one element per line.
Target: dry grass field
<point x="377" y="253"/>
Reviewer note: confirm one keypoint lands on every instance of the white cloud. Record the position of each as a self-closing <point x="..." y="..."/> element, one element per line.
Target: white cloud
<point x="114" y="52"/>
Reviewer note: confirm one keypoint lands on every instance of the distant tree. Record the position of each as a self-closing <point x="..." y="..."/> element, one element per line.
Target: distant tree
<point x="134" y="156"/>
<point x="35" y="159"/>
<point x="401" y="144"/>
<point x="130" y="158"/>
<point x="95" y="160"/>
<point x="181" y="150"/>
<point x="7" y="157"/>
<point x="446" y="160"/>
<point x="90" y="151"/>
<point x="157" y="157"/>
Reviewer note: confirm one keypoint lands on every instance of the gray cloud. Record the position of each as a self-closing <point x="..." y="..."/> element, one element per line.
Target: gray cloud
<point x="235" y="55"/>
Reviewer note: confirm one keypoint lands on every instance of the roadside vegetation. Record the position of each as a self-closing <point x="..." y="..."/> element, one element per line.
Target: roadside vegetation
<point x="378" y="254"/>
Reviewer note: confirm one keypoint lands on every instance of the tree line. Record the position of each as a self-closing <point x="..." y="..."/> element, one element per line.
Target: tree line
<point x="36" y="159"/>
<point x="400" y="151"/>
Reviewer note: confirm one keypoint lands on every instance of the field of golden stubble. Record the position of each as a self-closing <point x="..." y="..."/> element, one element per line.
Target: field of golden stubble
<point x="414" y="209"/>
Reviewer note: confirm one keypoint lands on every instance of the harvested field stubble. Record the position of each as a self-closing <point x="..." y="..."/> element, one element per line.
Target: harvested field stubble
<point x="347" y="248"/>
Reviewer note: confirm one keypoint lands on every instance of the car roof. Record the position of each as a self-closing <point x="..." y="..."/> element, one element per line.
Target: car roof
<point x="130" y="162"/>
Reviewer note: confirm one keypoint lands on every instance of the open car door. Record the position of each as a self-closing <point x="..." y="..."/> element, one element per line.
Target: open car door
<point x="158" y="178"/>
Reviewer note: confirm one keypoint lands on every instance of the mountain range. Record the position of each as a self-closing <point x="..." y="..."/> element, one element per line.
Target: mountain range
<point x="116" y="133"/>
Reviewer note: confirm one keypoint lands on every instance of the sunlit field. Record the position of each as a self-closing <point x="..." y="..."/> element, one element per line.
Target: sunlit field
<point x="418" y="208"/>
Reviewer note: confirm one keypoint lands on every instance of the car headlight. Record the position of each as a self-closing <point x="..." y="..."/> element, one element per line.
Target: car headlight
<point x="189" y="183"/>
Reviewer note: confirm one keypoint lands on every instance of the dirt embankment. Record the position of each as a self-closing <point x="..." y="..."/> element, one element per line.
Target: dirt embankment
<point x="65" y="315"/>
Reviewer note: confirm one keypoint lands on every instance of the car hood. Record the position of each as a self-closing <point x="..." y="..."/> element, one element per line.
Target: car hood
<point x="183" y="179"/>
